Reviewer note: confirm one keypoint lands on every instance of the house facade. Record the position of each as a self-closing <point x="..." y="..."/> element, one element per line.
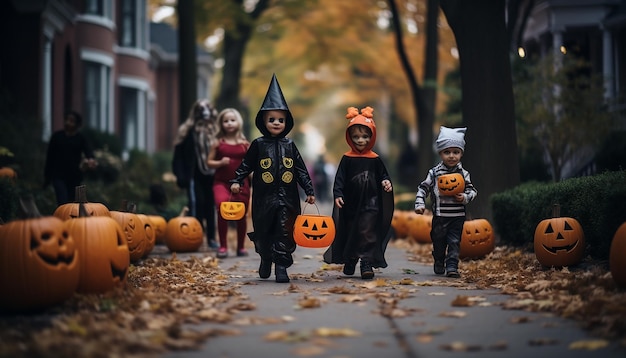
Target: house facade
<point x="594" y="30"/>
<point x="100" y="58"/>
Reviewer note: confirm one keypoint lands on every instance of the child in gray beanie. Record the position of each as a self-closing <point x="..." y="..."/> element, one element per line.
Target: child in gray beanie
<point x="448" y="204"/>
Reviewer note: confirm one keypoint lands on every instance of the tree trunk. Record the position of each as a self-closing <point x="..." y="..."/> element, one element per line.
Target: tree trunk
<point x="187" y="62"/>
<point x="488" y="109"/>
<point x="426" y="154"/>
<point x="424" y="111"/>
<point x="235" y="42"/>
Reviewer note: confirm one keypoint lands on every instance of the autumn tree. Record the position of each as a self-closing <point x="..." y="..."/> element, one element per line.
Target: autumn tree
<point x="487" y="94"/>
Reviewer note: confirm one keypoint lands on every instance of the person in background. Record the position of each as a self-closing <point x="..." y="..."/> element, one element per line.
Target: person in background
<point x="363" y="200"/>
<point x="225" y="157"/>
<point x="448" y="211"/>
<point x="67" y="155"/>
<point x="191" y="151"/>
<point x="278" y="169"/>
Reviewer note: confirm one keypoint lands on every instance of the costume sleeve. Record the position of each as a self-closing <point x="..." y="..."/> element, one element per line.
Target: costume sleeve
<point x="423" y="190"/>
<point x="470" y="191"/>
<point x="304" y="179"/>
<point x="247" y="164"/>
<point x="340" y="178"/>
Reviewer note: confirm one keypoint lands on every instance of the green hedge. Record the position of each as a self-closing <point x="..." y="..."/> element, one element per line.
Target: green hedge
<point x="597" y="202"/>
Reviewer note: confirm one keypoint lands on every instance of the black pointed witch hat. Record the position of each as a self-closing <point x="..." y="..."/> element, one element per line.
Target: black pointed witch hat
<point x="274" y="100"/>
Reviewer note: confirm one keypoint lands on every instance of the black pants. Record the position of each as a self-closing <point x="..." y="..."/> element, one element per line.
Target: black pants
<point x="446" y="236"/>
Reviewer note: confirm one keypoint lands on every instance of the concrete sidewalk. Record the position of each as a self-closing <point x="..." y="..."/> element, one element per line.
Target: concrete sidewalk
<point x="406" y="311"/>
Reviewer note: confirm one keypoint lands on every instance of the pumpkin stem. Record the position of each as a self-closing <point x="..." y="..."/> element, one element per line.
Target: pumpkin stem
<point x="184" y="211"/>
<point x="28" y="208"/>
<point x="124" y="207"/>
<point x="132" y="208"/>
<point x="82" y="210"/>
<point x="80" y="193"/>
<point x="556" y="211"/>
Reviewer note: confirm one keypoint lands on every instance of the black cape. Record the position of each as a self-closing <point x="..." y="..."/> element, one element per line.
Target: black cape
<point x="367" y="208"/>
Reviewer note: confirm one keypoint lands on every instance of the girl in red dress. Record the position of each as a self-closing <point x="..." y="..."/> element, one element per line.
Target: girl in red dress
<point x="225" y="156"/>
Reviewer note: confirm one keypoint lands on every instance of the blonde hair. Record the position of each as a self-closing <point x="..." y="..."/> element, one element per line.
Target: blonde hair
<point x="238" y="118"/>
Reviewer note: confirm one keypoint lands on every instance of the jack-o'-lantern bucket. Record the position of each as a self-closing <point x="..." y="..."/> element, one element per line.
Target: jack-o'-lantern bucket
<point x="232" y="210"/>
<point x="312" y="230"/>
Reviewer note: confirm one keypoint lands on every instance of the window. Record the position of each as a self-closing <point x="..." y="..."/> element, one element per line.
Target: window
<point x="102" y="8"/>
<point x="133" y="118"/>
<point x="132" y="32"/>
<point x="97" y="96"/>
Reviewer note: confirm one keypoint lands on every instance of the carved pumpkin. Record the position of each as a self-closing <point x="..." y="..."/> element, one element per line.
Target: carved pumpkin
<point x="451" y="184"/>
<point x="477" y="239"/>
<point x="150" y="233"/>
<point x="159" y="224"/>
<point x="183" y="233"/>
<point x="559" y="241"/>
<point x="104" y="252"/>
<point x="70" y="210"/>
<point x="419" y="228"/>
<point x="133" y="230"/>
<point x="232" y="210"/>
<point x="617" y="256"/>
<point x="39" y="262"/>
<point x="399" y="223"/>
<point x="314" y="230"/>
<point x="8" y="172"/>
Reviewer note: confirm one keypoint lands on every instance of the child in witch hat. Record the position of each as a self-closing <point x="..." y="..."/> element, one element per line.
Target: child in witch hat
<point x="363" y="200"/>
<point x="278" y="169"/>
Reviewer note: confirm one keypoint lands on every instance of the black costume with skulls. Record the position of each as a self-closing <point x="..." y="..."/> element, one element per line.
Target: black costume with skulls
<point x="278" y="169"/>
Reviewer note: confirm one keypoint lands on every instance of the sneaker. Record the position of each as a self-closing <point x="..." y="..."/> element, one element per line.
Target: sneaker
<point x="452" y="272"/>
<point x="367" y="273"/>
<point x="281" y="274"/>
<point x="242" y="252"/>
<point x="222" y="253"/>
<point x="265" y="268"/>
<point x="349" y="267"/>
<point x="213" y="244"/>
<point x="438" y="268"/>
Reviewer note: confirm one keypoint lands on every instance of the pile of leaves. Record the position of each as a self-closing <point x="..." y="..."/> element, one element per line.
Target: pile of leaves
<point x="151" y="315"/>
<point x="586" y="293"/>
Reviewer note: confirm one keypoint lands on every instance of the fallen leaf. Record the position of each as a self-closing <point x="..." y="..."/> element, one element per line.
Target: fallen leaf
<point x="453" y="314"/>
<point x="589" y="345"/>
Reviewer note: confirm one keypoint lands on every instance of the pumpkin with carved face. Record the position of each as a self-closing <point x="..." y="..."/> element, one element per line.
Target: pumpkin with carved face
<point x="559" y="241"/>
<point x="476" y="239"/>
<point x="183" y="233"/>
<point x="232" y="210"/>
<point x="104" y="252"/>
<point x="450" y="184"/>
<point x="150" y="233"/>
<point x="419" y="228"/>
<point x="134" y="231"/>
<point x="617" y="255"/>
<point x="39" y="262"/>
<point x="159" y="224"/>
<point x="314" y="230"/>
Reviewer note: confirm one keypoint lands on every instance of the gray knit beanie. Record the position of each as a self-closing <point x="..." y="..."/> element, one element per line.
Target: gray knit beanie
<point x="450" y="138"/>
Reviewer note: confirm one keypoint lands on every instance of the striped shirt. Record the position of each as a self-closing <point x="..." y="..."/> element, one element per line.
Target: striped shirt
<point x="444" y="206"/>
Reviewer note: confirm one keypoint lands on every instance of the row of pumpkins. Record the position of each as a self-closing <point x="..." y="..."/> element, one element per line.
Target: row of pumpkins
<point x="82" y="248"/>
<point x="558" y="241"/>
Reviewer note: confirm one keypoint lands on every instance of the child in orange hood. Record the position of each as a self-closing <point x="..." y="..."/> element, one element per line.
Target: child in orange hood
<point x="363" y="197"/>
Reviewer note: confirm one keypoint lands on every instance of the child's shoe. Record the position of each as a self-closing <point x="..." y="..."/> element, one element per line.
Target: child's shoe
<point x="265" y="268"/>
<point x="349" y="267"/>
<point x="439" y="268"/>
<point x="367" y="273"/>
<point x="242" y="252"/>
<point x="453" y="272"/>
<point x="222" y="253"/>
<point x="281" y="274"/>
<point x="213" y="244"/>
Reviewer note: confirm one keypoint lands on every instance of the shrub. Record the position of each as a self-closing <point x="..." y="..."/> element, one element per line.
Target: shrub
<point x="597" y="202"/>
